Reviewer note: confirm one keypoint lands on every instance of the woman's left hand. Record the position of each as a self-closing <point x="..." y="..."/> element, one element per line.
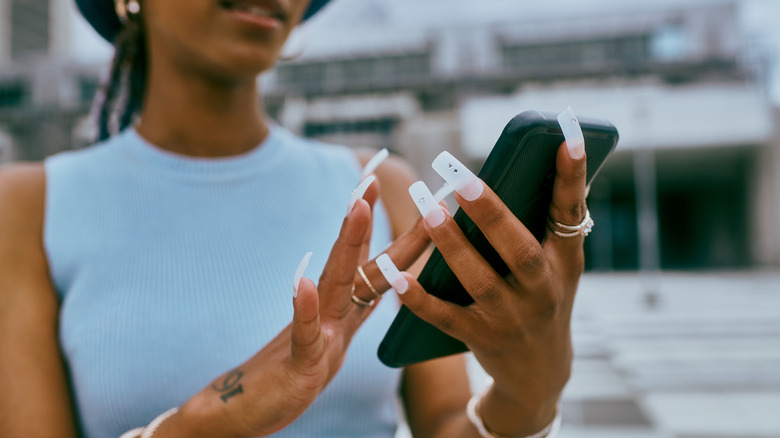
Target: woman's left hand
<point x="519" y="326"/>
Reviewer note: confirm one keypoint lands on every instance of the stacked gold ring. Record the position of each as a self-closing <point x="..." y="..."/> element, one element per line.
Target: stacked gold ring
<point x="562" y="230"/>
<point x="360" y="301"/>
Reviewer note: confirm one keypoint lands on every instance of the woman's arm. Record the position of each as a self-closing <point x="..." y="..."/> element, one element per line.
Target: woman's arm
<point x="435" y="395"/>
<point x="35" y="400"/>
<point x="271" y="389"/>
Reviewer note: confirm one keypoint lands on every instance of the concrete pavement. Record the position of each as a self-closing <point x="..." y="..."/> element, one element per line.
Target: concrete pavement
<point x="673" y="355"/>
<point x="676" y="355"/>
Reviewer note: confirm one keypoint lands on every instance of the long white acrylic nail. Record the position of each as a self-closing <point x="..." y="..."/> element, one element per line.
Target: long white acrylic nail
<point x="392" y="274"/>
<point x="374" y="162"/>
<point x="299" y="272"/>
<point x="572" y="132"/>
<point x="444" y="191"/>
<point x="426" y="203"/>
<point x="359" y="191"/>
<point x="468" y="186"/>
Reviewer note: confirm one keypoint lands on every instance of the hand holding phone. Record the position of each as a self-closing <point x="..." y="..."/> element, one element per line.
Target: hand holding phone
<point x="521" y="171"/>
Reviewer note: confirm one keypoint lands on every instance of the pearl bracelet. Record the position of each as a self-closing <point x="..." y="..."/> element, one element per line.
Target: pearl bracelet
<point x="149" y="430"/>
<point x="550" y="431"/>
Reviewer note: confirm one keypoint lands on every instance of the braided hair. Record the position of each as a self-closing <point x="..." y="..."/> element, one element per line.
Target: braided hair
<point x="121" y="95"/>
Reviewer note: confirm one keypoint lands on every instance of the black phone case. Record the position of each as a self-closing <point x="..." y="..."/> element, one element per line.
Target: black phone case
<point x="521" y="170"/>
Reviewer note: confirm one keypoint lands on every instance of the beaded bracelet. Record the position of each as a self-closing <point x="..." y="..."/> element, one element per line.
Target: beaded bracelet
<point x="149" y="430"/>
<point x="550" y="431"/>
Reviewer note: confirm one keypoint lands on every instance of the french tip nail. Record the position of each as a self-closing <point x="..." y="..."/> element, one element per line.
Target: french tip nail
<point x="472" y="190"/>
<point x="572" y="132"/>
<point x="417" y="187"/>
<point x="429" y="208"/>
<point x="374" y="162"/>
<point x="359" y="191"/>
<point x="436" y="217"/>
<point x="457" y="175"/>
<point x="576" y="150"/>
<point x="299" y="272"/>
<point x="392" y="274"/>
<point x="443" y="154"/>
<point x="442" y="158"/>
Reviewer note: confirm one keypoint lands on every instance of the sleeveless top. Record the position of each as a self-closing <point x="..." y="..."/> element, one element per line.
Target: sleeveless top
<point x="173" y="270"/>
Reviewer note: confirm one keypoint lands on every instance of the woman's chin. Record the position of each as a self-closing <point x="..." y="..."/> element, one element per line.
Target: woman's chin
<point x="232" y="66"/>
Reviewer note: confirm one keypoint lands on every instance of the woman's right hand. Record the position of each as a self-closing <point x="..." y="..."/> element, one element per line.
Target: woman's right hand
<point x="275" y="386"/>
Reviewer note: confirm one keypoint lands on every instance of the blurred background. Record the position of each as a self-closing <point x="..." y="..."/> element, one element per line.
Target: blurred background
<point x="677" y="324"/>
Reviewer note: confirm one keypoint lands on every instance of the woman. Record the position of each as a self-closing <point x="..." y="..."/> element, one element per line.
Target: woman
<point x="145" y="280"/>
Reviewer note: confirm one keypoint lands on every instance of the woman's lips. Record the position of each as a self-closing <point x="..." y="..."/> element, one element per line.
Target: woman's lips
<point x="262" y="13"/>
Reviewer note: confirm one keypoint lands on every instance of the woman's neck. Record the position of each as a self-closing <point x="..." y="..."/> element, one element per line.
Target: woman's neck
<point x="203" y="118"/>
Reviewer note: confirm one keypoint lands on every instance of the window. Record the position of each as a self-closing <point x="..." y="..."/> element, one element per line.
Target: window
<point x="601" y="53"/>
<point x="382" y="126"/>
<point x="355" y="73"/>
<point x="13" y="93"/>
<point x="30" y="22"/>
<point x="88" y="88"/>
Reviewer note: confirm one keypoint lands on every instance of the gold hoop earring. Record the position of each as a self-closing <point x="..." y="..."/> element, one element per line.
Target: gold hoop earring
<point x="126" y="8"/>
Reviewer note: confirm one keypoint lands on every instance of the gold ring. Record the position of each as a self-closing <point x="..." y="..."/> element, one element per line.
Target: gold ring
<point x="562" y="230"/>
<point x="360" y="301"/>
<point x="368" y="283"/>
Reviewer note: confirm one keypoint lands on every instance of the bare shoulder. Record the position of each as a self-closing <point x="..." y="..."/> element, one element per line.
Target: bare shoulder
<point x="22" y="198"/>
<point x="21" y="181"/>
<point x="395" y="176"/>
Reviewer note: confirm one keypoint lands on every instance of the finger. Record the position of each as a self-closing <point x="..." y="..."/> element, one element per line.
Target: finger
<point x="476" y="275"/>
<point x="333" y="275"/>
<point x="450" y="318"/>
<point x="568" y="201"/>
<point x="517" y="247"/>
<point x="371" y="196"/>
<point x="337" y="277"/>
<point x="306" y="336"/>
<point x="406" y="250"/>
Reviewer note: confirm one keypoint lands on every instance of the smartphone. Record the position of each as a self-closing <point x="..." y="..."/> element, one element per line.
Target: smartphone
<point x="521" y="170"/>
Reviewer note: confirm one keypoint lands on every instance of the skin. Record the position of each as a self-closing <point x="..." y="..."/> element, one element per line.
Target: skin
<point x="201" y="100"/>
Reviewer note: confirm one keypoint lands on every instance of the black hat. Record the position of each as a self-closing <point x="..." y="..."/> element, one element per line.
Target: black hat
<point x="102" y="15"/>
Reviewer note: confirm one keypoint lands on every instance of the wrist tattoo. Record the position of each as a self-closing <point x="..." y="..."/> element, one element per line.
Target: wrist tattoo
<point x="230" y="385"/>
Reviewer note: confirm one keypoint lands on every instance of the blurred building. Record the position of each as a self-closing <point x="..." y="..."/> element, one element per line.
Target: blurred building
<point x="694" y="182"/>
<point x="43" y="94"/>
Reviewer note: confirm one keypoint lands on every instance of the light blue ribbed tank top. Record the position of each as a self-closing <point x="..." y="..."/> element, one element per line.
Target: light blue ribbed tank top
<point x="173" y="270"/>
